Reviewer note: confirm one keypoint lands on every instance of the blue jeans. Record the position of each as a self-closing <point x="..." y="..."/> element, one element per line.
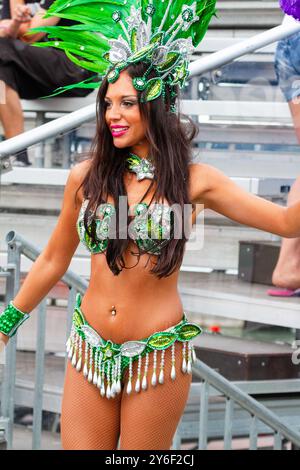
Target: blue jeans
<point x="287" y="66"/>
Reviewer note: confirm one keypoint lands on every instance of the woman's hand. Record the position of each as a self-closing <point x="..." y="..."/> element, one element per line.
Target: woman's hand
<point x="21" y="14"/>
<point x="11" y="28"/>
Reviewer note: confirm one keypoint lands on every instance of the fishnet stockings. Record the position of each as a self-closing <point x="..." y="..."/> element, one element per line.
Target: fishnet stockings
<point x="144" y="420"/>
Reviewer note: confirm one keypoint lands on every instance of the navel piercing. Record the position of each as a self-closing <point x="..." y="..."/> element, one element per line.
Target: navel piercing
<point x="113" y="310"/>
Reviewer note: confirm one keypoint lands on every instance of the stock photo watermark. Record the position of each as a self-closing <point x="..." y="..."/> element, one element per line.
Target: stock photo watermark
<point x="157" y="222"/>
<point x="255" y="90"/>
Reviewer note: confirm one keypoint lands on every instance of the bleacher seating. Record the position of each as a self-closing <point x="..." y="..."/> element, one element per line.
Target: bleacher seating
<point x="245" y="130"/>
<point x="251" y="78"/>
<point x="238" y="127"/>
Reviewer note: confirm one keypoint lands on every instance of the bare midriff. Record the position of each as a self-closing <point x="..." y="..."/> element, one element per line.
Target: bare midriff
<point x="144" y="303"/>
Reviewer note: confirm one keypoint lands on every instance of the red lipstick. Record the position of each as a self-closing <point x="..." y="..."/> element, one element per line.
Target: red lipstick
<point x="118" y="131"/>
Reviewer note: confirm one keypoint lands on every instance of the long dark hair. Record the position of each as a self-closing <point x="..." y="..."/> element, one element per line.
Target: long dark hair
<point x="171" y="152"/>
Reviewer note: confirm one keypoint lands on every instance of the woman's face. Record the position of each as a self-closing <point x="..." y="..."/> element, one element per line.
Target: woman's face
<point x="122" y="114"/>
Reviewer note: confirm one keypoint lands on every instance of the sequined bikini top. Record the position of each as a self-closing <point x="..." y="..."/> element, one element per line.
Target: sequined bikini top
<point x="150" y="228"/>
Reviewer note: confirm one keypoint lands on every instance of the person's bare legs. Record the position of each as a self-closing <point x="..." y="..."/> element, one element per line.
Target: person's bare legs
<point x="12" y="120"/>
<point x="294" y="106"/>
<point x="11" y="113"/>
<point x="287" y="271"/>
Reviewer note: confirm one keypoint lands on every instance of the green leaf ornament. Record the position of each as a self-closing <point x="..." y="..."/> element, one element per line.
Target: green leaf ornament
<point x="162" y="340"/>
<point x="154" y="89"/>
<point x="188" y="331"/>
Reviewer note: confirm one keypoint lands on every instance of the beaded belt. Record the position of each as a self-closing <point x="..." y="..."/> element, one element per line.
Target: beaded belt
<point x="106" y="359"/>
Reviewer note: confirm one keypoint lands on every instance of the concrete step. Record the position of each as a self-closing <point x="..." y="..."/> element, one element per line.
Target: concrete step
<point x="275" y="165"/>
<point x="247" y="14"/>
<point x="22" y="439"/>
<point x="226" y="296"/>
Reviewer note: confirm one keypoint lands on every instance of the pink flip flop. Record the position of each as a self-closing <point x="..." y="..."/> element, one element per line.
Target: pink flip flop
<point x="284" y="292"/>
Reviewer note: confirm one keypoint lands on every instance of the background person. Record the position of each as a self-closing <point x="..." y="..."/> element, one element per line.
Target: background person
<point x="286" y="274"/>
<point x="31" y="72"/>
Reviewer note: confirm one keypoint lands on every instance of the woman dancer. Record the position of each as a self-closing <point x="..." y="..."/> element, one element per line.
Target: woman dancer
<point x="130" y="349"/>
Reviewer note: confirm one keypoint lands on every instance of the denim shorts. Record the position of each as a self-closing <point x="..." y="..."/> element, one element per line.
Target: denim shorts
<point x="287" y="66"/>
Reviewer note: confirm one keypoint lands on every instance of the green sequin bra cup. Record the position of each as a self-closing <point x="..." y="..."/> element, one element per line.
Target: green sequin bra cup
<point x="10" y="320"/>
<point x="150" y="229"/>
<point x="106" y="361"/>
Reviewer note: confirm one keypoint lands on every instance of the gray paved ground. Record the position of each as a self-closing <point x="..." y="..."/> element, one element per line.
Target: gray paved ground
<point x="22" y="439"/>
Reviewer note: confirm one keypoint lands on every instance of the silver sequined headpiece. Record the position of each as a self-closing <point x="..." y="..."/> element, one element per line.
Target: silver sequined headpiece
<point x="113" y="34"/>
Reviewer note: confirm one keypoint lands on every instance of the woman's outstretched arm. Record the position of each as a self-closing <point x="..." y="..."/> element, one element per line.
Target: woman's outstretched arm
<point x="219" y="193"/>
<point x="55" y="258"/>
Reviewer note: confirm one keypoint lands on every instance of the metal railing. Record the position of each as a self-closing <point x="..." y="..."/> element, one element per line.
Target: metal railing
<point x="18" y="246"/>
<point x="234" y="396"/>
<point x="86" y="114"/>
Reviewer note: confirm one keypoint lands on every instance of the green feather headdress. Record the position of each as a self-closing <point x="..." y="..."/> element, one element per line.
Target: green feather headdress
<point x="111" y="34"/>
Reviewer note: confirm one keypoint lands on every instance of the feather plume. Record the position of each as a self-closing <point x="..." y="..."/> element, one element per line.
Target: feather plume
<point x="291" y="7"/>
<point x="113" y="31"/>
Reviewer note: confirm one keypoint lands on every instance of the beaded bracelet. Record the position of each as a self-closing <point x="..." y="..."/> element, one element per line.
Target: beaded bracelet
<point x="11" y="319"/>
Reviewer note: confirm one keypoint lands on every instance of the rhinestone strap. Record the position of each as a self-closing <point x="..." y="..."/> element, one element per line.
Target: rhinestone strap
<point x="11" y="319"/>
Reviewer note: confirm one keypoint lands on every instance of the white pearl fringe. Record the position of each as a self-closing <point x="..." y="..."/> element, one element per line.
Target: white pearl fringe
<point x="113" y="380"/>
<point x="78" y="366"/>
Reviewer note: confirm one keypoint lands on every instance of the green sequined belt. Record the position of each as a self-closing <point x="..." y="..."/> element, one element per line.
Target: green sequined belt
<point x="104" y="359"/>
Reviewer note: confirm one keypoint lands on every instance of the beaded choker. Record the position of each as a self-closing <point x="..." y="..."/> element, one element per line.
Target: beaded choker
<point x="142" y="167"/>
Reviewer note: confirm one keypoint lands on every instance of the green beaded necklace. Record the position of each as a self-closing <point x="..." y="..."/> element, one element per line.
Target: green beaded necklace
<point x="142" y="167"/>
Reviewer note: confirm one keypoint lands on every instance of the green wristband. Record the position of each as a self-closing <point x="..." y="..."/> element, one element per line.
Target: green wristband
<point x="11" y="319"/>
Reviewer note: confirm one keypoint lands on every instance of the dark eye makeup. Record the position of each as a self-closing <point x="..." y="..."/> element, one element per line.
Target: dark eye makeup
<point x="127" y="103"/>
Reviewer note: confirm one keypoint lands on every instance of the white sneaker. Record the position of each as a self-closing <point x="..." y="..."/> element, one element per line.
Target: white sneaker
<point x="21" y="164"/>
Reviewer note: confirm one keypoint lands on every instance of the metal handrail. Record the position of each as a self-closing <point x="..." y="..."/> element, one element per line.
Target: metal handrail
<point x="228" y="54"/>
<point x="236" y="395"/>
<point x="87" y="113"/>
<point x="17" y="246"/>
